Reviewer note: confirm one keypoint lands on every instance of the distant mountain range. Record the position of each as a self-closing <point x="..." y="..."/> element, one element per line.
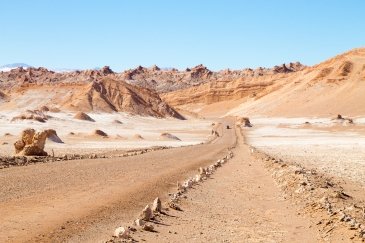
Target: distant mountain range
<point x="8" y="67"/>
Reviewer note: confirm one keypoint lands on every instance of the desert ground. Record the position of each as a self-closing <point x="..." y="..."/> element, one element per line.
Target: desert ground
<point x="78" y="136"/>
<point x="86" y="199"/>
<point x="150" y="155"/>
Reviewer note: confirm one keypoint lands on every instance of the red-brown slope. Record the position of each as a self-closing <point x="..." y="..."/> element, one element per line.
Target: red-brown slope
<point x="111" y="95"/>
<point x="334" y="86"/>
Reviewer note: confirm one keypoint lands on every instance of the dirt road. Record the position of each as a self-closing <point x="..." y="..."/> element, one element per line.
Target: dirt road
<point x="239" y="203"/>
<point x="85" y="200"/>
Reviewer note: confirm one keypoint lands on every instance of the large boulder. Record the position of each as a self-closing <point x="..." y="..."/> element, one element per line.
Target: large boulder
<point x="31" y="143"/>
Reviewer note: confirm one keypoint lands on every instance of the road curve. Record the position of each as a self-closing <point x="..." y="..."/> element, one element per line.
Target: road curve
<point x="85" y="200"/>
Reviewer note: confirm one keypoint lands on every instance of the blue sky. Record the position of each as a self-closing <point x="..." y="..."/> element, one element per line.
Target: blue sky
<point x="219" y="34"/>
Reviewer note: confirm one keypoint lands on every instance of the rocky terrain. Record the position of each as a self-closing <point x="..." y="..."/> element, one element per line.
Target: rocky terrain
<point x="120" y="92"/>
<point x="161" y="155"/>
<point x="101" y="94"/>
<point x="333" y="86"/>
<point x="161" y="80"/>
<point x="164" y="81"/>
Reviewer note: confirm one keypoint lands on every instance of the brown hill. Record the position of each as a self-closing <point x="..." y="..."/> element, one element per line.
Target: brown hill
<point x="108" y="95"/>
<point x="101" y="94"/>
<point x="160" y="80"/>
<point x="334" y="86"/>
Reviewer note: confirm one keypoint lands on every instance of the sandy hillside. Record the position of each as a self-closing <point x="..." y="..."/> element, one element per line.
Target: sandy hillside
<point x="334" y="86"/>
<point x="105" y="95"/>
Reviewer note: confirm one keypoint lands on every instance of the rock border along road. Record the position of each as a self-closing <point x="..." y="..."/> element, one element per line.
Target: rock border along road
<point x="239" y="203"/>
<point x="84" y="200"/>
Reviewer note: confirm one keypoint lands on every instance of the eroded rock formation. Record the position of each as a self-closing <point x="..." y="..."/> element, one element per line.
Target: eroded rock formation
<point x="31" y="143"/>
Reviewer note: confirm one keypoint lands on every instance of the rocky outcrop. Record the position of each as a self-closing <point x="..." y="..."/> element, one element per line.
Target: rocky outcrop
<point x="217" y="91"/>
<point x="31" y="143"/>
<point x="291" y="67"/>
<point x="172" y="79"/>
<point x="108" y="95"/>
<point x="200" y="72"/>
<point x="106" y="70"/>
<point x="36" y="115"/>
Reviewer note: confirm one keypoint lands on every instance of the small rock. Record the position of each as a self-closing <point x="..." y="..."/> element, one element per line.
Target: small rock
<point x="148" y="227"/>
<point x="146" y="213"/>
<point x="179" y="187"/>
<point x="132" y="229"/>
<point x="139" y="222"/>
<point x="198" y="178"/>
<point x="201" y="171"/>
<point x="156" y="207"/>
<point x="174" y="206"/>
<point x="121" y="233"/>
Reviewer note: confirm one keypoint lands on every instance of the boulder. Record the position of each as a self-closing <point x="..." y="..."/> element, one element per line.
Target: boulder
<point x="52" y="135"/>
<point x="100" y="133"/>
<point x="83" y="116"/>
<point x="31" y="143"/>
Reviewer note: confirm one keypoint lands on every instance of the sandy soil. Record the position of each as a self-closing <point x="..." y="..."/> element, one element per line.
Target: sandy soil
<point x="120" y="136"/>
<point x="334" y="149"/>
<point x="85" y="200"/>
<point x="244" y="201"/>
<point x="240" y="203"/>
